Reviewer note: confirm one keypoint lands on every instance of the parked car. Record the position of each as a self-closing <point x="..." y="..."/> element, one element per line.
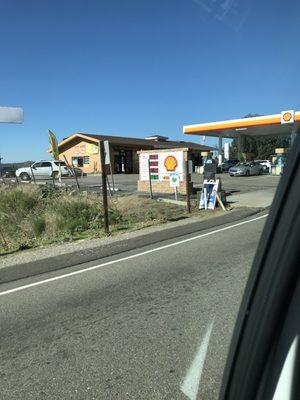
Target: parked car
<point x="43" y="169"/>
<point x="225" y="165"/>
<point x="7" y="172"/>
<point x="246" y="169"/>
<point x="266" y="164"/>
<point x="78" y="172"/>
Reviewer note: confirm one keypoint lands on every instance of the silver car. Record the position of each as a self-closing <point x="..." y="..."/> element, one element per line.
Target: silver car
<point x="246" y="169"/>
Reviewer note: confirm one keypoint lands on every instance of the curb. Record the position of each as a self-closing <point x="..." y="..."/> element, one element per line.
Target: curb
<point x="18" y="269"/>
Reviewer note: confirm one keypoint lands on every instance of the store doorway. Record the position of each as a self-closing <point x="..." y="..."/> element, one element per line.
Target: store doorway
<point x="123" y="161"/>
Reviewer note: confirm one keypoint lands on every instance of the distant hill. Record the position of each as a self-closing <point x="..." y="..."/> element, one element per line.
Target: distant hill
<point x="17" y="165"/>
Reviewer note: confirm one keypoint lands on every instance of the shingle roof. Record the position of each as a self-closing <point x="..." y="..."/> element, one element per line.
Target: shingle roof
<point x="150" y="143"/>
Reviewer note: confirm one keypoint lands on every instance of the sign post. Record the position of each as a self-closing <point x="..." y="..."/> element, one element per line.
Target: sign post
<point x="71" y="167"/>
<point x="104" y="188"/>
<point x="187" y="180"/>
<point x="174" y="182"/>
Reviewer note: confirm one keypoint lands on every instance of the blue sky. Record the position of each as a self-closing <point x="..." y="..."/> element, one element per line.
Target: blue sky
<point x="139" y="67"/>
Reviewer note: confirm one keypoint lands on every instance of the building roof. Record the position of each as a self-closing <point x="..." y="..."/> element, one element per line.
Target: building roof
<point x="266" y="125"/>
<point x="155" y="144"/>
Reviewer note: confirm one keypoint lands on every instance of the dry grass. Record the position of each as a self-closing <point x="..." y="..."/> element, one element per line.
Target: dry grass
<point x="34" y="216"/>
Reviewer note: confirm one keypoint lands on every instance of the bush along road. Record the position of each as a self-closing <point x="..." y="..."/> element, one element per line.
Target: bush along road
<point x="31" y="216"/>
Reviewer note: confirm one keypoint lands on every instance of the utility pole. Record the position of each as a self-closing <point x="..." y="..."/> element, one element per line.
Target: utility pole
<point x="104" y="187"/>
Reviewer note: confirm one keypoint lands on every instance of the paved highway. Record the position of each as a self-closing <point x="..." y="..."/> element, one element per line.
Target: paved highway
<point x="154" y="323"/>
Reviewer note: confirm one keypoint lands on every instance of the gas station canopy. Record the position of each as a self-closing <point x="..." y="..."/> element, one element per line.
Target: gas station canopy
<point x="285" y="123"/>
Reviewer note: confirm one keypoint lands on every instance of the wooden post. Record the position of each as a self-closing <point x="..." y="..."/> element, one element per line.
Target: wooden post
<point x="150" y="183"/>
<point x="33" y="177"/>
<point x="109" y="188"/>
<point x="205" y="198"/>
<point x="104" y="187"/>
<point x="53" y="178"/>
<point x="220" y="201"/>
<point x="111" y="170"/>
<point x="187" y="179"/>
<point x="71" y="167"/>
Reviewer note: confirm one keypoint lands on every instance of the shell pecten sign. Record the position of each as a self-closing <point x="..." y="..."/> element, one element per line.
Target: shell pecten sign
<point x="287" y="117"/>
<point x="170" y="163"/>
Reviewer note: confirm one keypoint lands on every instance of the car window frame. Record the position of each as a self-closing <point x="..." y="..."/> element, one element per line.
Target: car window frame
<point x="268" y="292"/>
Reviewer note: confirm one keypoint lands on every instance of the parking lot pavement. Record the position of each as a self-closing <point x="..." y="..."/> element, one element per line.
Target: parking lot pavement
<point x="128" y="182"/>
<point x="241" y="184"/>
<point x="258" y="198"/>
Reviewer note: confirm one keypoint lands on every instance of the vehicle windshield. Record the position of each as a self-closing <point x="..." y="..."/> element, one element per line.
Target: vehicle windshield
<point x="130" y="208"/>
<point x="61" y="163"/>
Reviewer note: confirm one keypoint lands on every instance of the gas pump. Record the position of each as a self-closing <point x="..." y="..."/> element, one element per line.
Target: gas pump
<point x="278" y="161"/>
<point x="209" y="168"/>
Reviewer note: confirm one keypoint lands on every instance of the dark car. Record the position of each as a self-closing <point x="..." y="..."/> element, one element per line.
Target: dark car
<point x="228" y="164"/>
<point x="7" y="172"/>
<point x="78" y="172"/>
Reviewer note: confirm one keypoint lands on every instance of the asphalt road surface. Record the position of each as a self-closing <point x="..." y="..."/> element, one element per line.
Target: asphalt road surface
<point x="128" y="182"/>
<point x="154" y="323"/>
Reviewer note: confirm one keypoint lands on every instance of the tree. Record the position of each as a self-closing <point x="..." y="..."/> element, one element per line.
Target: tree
<point x="262" y="146"/>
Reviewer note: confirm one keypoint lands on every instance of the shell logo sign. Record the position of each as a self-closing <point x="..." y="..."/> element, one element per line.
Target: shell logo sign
<point x="170" y="163"/>
<point x="287" y="117"/>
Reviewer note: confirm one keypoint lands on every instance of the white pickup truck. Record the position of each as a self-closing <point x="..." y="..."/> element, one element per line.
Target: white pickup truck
<point x="43" y="169"/>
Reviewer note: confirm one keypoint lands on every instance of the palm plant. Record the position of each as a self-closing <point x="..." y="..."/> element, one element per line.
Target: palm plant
<point x="54" y="150"/>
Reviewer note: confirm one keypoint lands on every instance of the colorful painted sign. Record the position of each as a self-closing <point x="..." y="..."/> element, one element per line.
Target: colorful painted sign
<point x="208" y="195"/>
<point x="91" y="149"/>
<point x="80" y="149"/>
<point x="161" y="165"/>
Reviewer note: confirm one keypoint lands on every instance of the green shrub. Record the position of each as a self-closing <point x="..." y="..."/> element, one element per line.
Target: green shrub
<point x="39" y="226"/>
<point x="115" y="216"/>
<point x="17" y="204"/>
<point x="49" y="191"/>
<point x="77" y="216"/>
<point x="150" y="216"/>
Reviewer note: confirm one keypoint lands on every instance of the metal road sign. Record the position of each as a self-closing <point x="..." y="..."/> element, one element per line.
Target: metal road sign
<point x="11" y="115"/>
<point x="107" y="152"/>
<point x="174" y="180"/>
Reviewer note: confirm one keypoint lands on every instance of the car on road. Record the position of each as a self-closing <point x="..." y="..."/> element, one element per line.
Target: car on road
<point x="43" y="169"/>
<point x="77" y="171"/>
<point x="246" y="169"/>
<point x="227" y="164"/>
<point x="266" y="164"/>
<point x="7" y="172"/>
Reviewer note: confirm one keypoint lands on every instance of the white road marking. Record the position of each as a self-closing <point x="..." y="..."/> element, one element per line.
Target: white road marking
<point x="56" y="278"/>
<point x="190" y="385"/>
